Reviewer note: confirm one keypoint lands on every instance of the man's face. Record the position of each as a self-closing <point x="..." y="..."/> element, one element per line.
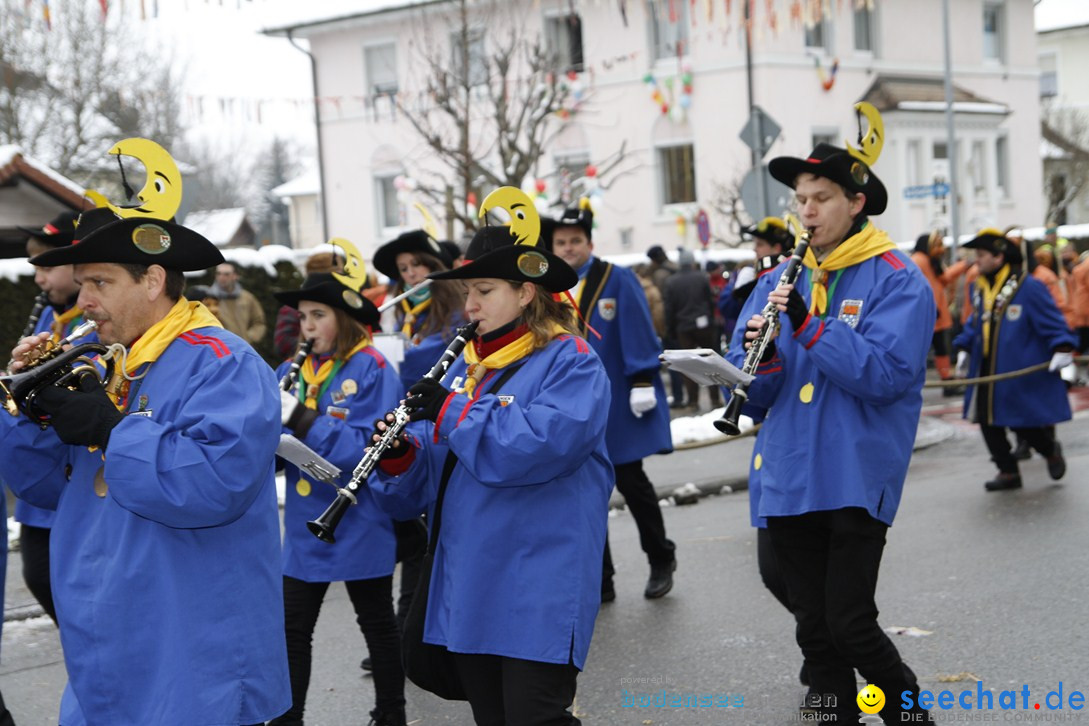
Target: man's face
<point x="825" y="209"/>
<point x="763" y="248"/>
<point x="989" y="263"/>
<point x="572" y="246"/>
<point x="226" y="277"/>
<point x="58" y="282"/>
<point x="120" y="305"/>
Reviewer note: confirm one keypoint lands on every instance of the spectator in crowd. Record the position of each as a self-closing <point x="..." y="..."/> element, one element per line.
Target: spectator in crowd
<point x="689" y="310"/>
<point x="239" y="310"/>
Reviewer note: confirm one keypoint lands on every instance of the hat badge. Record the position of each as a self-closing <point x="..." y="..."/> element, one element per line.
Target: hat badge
<point x="151" y="239"/>
<point x="532" y="264"/>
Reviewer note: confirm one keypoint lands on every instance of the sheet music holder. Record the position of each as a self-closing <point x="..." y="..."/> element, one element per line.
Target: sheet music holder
<point x="307" y="459"/>
<point x="705" y="367"/>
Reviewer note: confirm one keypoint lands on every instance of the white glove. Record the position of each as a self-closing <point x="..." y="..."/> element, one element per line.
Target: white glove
<point x="961" y="371"/>
<point x="1060" y="360"/>
<point x="288" y="404"/>
<point x="642" y="400"/>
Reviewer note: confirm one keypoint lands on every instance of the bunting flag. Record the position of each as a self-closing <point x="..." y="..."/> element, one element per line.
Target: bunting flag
<point x="105" y="5"/>
<point x="45" y="15"/>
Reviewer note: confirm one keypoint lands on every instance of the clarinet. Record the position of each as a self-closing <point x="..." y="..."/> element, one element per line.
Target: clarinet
<point x="324" y="526"/>
<point x="292" y="374"/>
<point x="728" y="423"/>
<point x="35" y="313"/>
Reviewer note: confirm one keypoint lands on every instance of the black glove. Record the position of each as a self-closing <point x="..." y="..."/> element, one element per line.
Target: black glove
<point x="400" y="445"/>
<point x="796" y="309"/>
<point x="81" y="418"/>
<point x="425" y="399"/>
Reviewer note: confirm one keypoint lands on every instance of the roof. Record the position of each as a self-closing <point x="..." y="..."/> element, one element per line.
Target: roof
<point x="302" y="185"/>
<point x="218" y="226"/>
<point x="925" y="93"/>
<point x="14" y="163"/>
<point x="305" y="16"/>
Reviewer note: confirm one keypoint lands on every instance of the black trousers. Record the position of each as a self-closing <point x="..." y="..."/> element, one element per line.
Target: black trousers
<point x="638" y="492"/>
<point x="411" y="546"/>
<point x="373" y="603"/>
<point x="699" y="339"/>
<point x="514" y="692"/>
<point x="34" y="547"/>
<point x="1041" y="438"/>
<point x="830" y="561"/>
<point x="5" y="714"/>
<point x="770" y="574"/>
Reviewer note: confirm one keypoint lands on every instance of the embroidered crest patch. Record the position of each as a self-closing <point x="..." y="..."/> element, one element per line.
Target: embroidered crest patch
<point x="1013" y="312"/>
<point x="606" y="308"/>
<point x="850" y="311"/>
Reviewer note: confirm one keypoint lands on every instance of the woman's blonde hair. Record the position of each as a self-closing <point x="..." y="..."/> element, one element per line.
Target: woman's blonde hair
<point x="446" y="299"/>
<point x="544" y="312"/>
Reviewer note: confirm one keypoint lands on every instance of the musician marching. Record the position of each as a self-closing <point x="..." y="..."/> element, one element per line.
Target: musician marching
<point x="517" y="565"/>
<point x="843" y="385"/>
<point x="168" y="594"/>
<point x="343" y="386"/>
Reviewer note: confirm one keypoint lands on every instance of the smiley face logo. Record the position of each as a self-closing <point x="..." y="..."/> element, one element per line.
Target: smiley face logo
<point x="871" y="699"/>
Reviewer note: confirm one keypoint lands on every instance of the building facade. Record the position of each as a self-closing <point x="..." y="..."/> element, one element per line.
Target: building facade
<point x="667" y="81"/>
<point x="1064" y="95"/>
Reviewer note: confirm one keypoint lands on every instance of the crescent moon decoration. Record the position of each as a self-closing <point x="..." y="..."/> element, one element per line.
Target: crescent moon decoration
<point x="873" y="139"/>
<point x="355" y="270"/>
<point x="429" y="225"/>
<point x="525" y="223"/>
<point x="161" y="194"/>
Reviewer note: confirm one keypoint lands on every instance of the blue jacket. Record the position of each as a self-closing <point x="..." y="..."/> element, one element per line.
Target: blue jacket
<point x="361" y="392"/>
<point x="168" y="589"/>
<point x="843" y="393"/>
<point x="419" y="358"/>
<point x="613" y="303"/>
<point x="25" y="512"/>
<point x="1028" y="333"/>
<point x="517" y="570"/>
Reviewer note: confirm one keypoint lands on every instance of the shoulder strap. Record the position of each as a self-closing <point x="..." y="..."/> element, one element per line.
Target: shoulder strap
<point x="451" y="462"/>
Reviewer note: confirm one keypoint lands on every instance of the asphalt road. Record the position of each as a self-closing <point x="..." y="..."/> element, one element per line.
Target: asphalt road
<point x="997" y="580"/>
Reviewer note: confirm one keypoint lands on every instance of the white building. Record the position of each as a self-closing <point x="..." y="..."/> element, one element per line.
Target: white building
<point x="806" y="76"/>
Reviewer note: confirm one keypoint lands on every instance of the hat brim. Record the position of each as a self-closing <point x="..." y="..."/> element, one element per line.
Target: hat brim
<point x="987" y="243"/>
<point x="137" y="241"/>
<point x="518" y="263"/>
<point x="786" y="169"/>
<point x="335" y="295"/>
<point x="385" y="257"/>
<point x="59" y="239"/>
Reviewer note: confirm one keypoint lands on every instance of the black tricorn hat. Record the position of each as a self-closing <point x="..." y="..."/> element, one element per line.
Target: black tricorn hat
<point x="102" y="236"/>
<point x="492" y="253"/>
<point x="836" y="164"/>
<point x="385" y="257"/>
<point x="580" y="216"/>
<point x="59" y="232"/>
<point x="993" y="241"/>
<point x="773" y="230"/>
<point x="453" y="250"/>
<point x="322" y="287"/>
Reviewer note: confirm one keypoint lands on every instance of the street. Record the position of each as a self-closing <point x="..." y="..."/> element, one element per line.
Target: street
<point x="996" y="581"/>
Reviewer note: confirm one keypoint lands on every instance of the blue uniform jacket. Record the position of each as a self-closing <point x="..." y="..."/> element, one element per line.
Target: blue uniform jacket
<point x="843" y="393"/>
<point x="1028" y="333"/>
<point x="361" y="392"/>
<point x="25" y="512"/>
<point x="419" y="358"/>
<point x="517" y="570"/>
<point x="613" y="303"/>
<point x="168" y="588"/>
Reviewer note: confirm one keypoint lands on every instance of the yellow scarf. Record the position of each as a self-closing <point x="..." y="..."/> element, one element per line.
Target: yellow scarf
<point x="183" y="317"/>
<point x="60" y="323"/>
<point x="411" y="313"/>
<point x="509" y="353"/>
<point x="989" y="294"/>
<point x="870" y="242"/>
<point x="315" y="378"/>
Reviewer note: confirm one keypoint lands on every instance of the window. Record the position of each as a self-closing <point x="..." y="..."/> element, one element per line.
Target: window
<point x="941" y="150"/>
<point x="677" y="167"/>
<point x="994" y="32"/>
<point x="818" y="36"/>
<point x="978" y="169"/>
<point x="863" y="28"/>
<point x="1049" y="75"/>
<point x="668" y="28"/>
<point x="824" y="136"/>
<point x="564" y="36"/>
<point x="914" y="162"/>
<point x="1002" y="165"/>
<point x="388" y="206"/>
<point x="477" y="73"/>
<point x="380" y="63"/>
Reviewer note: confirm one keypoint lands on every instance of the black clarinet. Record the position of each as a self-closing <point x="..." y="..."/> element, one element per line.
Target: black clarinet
<point x="728" y="423"/>
<point x="35" y="314"/>
<point x="324" y="526"/>
<point x="292" y="374"/>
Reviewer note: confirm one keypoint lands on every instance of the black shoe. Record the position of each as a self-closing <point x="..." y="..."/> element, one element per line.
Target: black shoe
<point x="608" y="592"/>
<point x="952" y="391"/>
<point x="366" y="665"/>
<point x="1023" y="452"/>
<point x="661" y="580"/>
<point x="1003" y="481"/>
<point x="1056" y="464"/>
<point x="388" y="718"/>
<point x="803" y="675"/>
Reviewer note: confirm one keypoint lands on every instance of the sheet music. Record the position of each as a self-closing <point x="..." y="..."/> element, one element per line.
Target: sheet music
<point x="307" y="459"/>
<point x="705" y="367"/>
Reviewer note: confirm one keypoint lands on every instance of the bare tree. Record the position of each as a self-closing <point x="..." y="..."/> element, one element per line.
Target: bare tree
<point x="727" y="211"/>
<point x="68" y="92"/>
<point x="1068" y="176"/>
<point x="492" y="105"/>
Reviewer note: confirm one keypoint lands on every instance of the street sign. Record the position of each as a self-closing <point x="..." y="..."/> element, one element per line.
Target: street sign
<point x="703" y="228"/>
<point x="760" y="131"/>
<point x="923" y="191"/>
<point x="764" y="196"/>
